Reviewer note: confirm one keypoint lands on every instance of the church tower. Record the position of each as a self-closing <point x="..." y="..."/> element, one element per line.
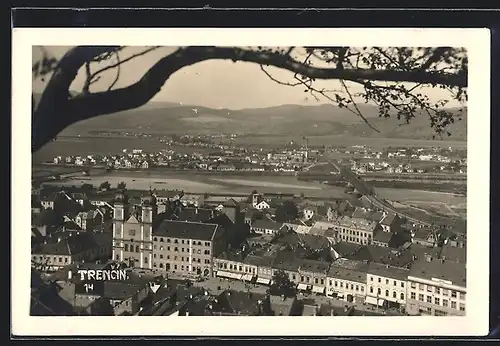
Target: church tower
<point x="149" y="210"/>
<point x="119" y="217"/>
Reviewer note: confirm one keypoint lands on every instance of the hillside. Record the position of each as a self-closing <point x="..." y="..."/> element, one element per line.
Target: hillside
<point x="169" y="118"/>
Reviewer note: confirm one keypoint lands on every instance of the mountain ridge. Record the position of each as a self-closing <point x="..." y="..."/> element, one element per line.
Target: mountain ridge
<point x="302" y="120"/>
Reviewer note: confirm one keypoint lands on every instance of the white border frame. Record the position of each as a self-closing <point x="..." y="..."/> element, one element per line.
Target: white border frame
<point x="477" y="42"/>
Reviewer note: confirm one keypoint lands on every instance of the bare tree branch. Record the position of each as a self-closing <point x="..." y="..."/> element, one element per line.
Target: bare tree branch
<point x="56" y="110"/>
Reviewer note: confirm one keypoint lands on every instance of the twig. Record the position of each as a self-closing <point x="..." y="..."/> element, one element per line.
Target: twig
<point x="356" y="107"/>
<point x="117" y="72"/>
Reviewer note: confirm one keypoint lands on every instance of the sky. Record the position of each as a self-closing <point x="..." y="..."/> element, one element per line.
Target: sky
<point x="213" y="83"/>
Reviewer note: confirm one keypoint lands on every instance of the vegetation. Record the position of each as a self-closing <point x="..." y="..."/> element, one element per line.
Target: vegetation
<point x="391" y="78"/>
<point x="286" y="212"/>
<point x="281" y="285"/>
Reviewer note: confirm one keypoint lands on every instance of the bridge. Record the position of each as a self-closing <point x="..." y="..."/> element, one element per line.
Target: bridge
<point x="368" y="191"/>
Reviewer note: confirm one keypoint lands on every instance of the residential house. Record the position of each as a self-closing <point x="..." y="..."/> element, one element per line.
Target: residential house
<point x="386" y="286"/>
<point x="425" y="236"/>
<point x="251" y="215"/>
<point x="124" y="296"/>
<point x="267" y="227"/>
<point x="89" y="220"/>
<point x="346" y="280"/>
<point x="383" y="239"/>
<point x="309" y="212"/>
<point x="281" y="306"/>
<point x="264" y="260"/>
<point x="236" y="303"/>
<point x="232" y="266"/>
<point x="262" y="205"/>
<point x="437" y="288"/>
<point x="298" y="227"/>
<point x="313" y="276"/>
<point x="66" y="248"/>
<point x="390" y="223"/>
<point x="165" y="196"/>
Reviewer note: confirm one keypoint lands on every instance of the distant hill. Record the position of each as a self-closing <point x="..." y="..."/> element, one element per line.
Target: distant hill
<point x="169" y="118"/>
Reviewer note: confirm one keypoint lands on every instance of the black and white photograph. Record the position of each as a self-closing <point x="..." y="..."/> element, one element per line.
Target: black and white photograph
<point x="266" y="173"/>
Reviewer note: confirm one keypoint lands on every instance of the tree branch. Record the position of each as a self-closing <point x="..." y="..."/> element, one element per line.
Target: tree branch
<point x="56" y="111"/>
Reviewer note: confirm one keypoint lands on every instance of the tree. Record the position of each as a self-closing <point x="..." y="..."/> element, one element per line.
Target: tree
<point x="392" y="78"/>
<point x="282" y="285"/>
<point x="105" y="186"/>
<point x="286" y="212"/>
<point x="121" y="186"/>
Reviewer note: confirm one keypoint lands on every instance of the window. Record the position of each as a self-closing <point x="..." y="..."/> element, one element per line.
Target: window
<point x="453" y="294"/>
<point x="154" y="255"/>
<point x="394" y="294"/>
<point x="445" y="303"/>
<point x="437" y="290"/>
<point x="379" y="291"/>
<point x="307" y="279"/>
<point x="182" y="241"/>
<point x="60" y="259"/>
<point x="445" y="292"/>
<point x="182" y="259"/>
<point x="161" y="256"/>
<point x="241" y="268"/>
<point x="65" y="259"/>
<point x="155" y="239"/>
<point x="413" y="295"/>
<point x="206" y="252"/>
<point x="357" y="287"/>
<point x="168" y="248"/>
<point x="462" y="307"/>
<point x="421" y="287"/>
<point x="341" y="284"/>
<point x="387" y="281"/>
<point x="421" y="297"/>
<point x="402" y="285"/>
<point x="387" y="293"/>
<point x="322" y="281"/>
<point x="413" y="285"/>
<point x="182" y="249"/>
<point x="352" y="286"/>
<point x="379" y="280"/>
<point x="131" y="232"/>
<point x="362" y="288"/>
<point x="371" y="289"/>
<point x="175" y="266"/>
<point x="207" y="261"/>
<point x="161" y="265"/>
<point x="436" y="301"/>
<point x="176" y="249"/>
<point x="126" y="247"/>
<point x="154" y="264"/>
<point x="161" y="240"/>
<point x="176" y="241"/>
<point x="429" y="288"/>
<point x="168" y="240"/>
<point x="462" y="296"/>
<point x="146" y="260"/>
<point x="336" y="282"/>
<point x="453" y="305"/>
<point x="137" y="248"/>
<point x="301" y="279"/>
<point x="429" y="299"/>
<point x="371" y="278"/>
<point x="440" y="313"/>
<point x="394" y="283"/>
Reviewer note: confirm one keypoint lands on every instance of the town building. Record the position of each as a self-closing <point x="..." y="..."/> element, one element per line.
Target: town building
<point x="65" y="248"/>
<point x="346" y="280"/>
<point x="356" y="230"/>
<point x="436" y="288"/>
<point x="386" y="286"/>
<point x="187" y="248"/>
<point x="268" y="227"/>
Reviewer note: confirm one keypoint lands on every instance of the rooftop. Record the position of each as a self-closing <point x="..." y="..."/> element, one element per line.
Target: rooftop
<point x="441" y="270"/>
<point x="267" y="224"/>
<point x="363" y="213"/>
<point x="387" y="271"/>
<point x="357" y="223"/>
<point x="348" y="270"/>
<point x="69" y="243"/>
<point x="186" y="230"/>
